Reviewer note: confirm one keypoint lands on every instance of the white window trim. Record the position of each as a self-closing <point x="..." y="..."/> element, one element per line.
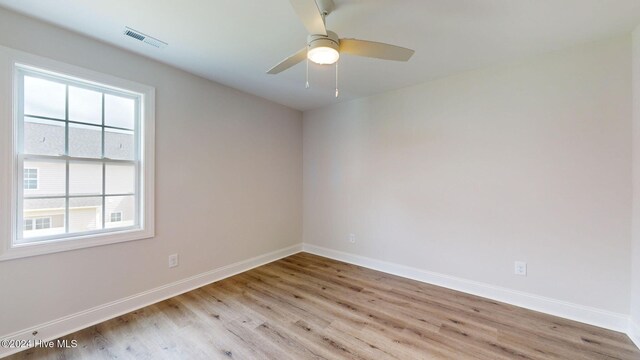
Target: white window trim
<point x="9" y="58"/>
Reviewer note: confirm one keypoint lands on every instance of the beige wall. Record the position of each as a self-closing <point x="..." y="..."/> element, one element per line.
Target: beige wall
<point x="528" y="161"/>
<point x="464" y="175"/>
<point x="228" y="185"/>
<point x="635" y="274"/>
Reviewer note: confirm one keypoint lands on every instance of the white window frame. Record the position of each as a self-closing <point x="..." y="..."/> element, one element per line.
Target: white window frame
<point x="11" y="61"/>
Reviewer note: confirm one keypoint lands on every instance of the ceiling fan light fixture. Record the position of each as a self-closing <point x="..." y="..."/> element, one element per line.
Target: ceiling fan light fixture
<point x="323" y="50"/>
<point x="323" y="55"/>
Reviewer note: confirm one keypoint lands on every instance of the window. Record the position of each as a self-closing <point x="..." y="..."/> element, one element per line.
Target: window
<point x="84" y="151"/>
<point x="30" y="179"/>
<point x="37" y="224"/>
<point x="116" y="216"/>
<point x="85" y="140"/>
<point x="43" y="223"/>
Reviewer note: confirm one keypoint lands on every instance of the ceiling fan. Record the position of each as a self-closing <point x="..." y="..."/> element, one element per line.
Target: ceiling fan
<point x="324" y="47"/>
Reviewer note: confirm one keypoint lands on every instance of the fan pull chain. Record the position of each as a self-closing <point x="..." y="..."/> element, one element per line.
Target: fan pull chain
<point x="337" y="90"/>
<point x="307" y="84"/>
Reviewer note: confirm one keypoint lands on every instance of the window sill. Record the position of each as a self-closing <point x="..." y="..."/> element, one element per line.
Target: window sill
<point x="74" y="243"/>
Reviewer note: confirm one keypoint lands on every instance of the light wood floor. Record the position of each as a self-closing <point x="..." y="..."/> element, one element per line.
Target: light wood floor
<point x="309" y="307"/>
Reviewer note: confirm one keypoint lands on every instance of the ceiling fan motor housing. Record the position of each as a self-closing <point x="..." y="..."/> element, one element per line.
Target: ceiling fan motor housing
<point x="331" y="40"/>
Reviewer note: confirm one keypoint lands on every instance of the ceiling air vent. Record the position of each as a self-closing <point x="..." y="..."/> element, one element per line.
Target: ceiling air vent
<point x="149" y="40"/>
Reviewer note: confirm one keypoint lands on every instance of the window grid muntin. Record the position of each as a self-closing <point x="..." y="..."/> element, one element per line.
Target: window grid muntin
<point x="137" y="140"/>
<point x="104" y="168"/>
<point x="77" y="122"/>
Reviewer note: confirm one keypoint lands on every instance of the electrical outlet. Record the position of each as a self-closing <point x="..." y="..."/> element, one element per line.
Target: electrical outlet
<point x="520" y="268"/>
<point x="352" y="238"/>
<point x="173" y="260"/>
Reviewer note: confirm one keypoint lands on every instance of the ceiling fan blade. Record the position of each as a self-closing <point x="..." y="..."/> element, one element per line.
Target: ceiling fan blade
<point x="310" y="15"/>
<point x="289" y="62"/>
<point x="375" y="50"/>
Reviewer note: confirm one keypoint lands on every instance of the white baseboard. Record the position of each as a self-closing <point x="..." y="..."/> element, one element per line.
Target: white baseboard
<point x="634" y="332"/>
<point x="584" y="314"/>
<point x="69" y="324"/>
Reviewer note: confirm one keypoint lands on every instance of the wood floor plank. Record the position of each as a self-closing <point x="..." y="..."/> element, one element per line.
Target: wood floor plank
<point x="310" y="307"/>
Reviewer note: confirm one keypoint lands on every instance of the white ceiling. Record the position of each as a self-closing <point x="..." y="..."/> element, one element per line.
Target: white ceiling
<point x="235" y="42"/>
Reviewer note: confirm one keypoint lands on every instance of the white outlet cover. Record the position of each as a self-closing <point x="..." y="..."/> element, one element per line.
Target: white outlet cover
<point x="173" y="260"/>
<point x="352" y="238"/>
<point x="520" y="268"/>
